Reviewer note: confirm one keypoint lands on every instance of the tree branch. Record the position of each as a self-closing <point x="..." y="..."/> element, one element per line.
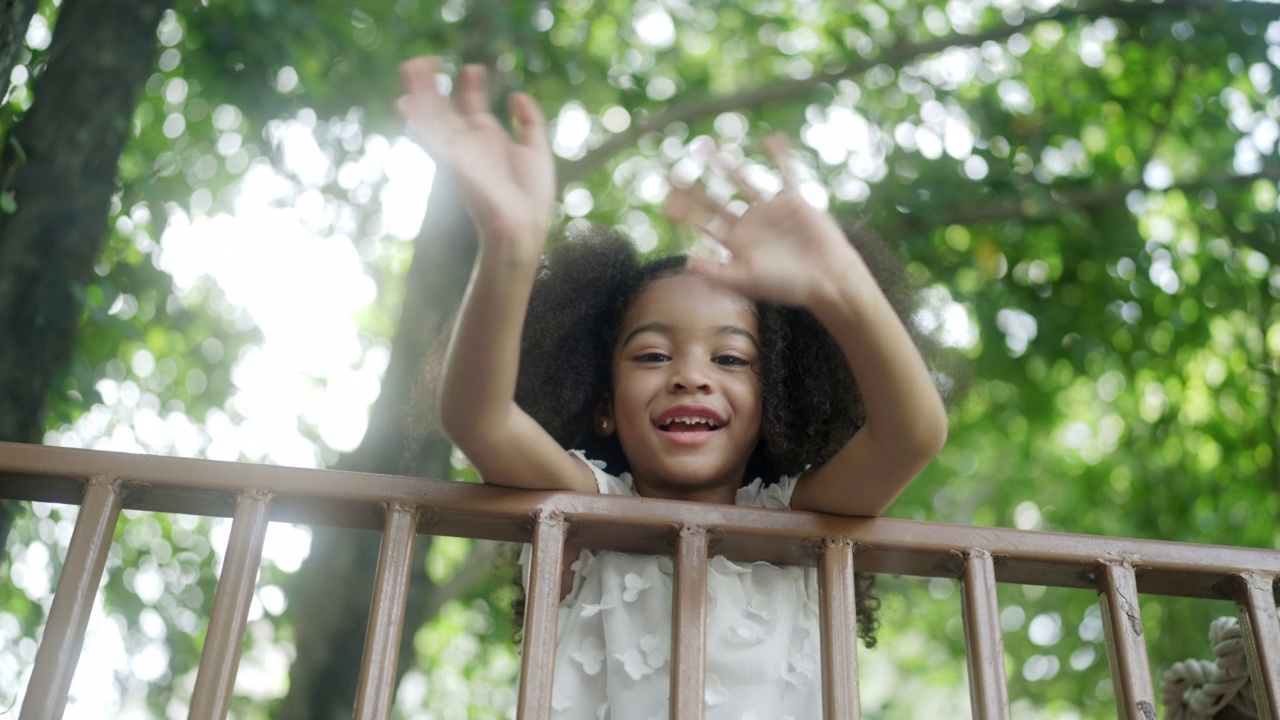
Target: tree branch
<point x="1054" y="200"/>
<point x="896" y="56"/>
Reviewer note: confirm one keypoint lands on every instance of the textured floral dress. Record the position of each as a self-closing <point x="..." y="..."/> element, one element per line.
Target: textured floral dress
<point x="614" y="646"/>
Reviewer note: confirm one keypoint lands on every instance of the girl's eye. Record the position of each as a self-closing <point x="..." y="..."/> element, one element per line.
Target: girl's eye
<point x="731" y="361"/>
<point x="652" y="357"/>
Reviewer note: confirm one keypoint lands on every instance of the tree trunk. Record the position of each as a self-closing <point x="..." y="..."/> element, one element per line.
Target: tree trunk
<point x="15" y="16"/>
<point x="331" y="593"/>
<point x="62" y="182"/>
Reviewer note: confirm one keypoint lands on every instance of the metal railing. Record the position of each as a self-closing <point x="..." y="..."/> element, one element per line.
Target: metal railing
<point x="1117" y="568"/>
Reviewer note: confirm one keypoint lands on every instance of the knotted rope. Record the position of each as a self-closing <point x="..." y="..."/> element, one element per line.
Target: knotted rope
<point x="1200" y="689"/>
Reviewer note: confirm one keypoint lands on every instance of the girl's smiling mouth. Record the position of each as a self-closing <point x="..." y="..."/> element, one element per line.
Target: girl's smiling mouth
<point x="690" y="424"/>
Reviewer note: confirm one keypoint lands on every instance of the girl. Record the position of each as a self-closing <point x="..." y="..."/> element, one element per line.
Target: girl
<point x="685" y="379"/>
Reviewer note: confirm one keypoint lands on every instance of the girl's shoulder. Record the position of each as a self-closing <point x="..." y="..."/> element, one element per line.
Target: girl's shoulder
<point x="606" y="483"/>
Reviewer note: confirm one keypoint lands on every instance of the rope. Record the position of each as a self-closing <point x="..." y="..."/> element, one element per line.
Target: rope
<point x="1200" y="689"/>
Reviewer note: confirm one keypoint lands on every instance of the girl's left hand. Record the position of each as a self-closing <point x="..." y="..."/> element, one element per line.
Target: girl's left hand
<point x="784" y="250"/>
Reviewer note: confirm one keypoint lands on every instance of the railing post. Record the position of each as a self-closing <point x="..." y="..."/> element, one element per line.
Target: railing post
<point x="837" y="609"/>
<point x="59" y="652"/>
<point x="983" y="641"/>
<point x="376" y="690"/>
<point x="689" y="626"/>
<point x="220" y="657"/>
<point x="1256" y="608"/>
<point x="537" y="666"/>
<point x="1126" y="645"/>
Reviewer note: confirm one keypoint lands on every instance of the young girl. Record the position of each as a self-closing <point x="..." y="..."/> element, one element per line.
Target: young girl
<point x="682" y="378"/>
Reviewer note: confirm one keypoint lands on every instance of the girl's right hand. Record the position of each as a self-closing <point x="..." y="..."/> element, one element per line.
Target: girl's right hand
<point x="508" y="184"/>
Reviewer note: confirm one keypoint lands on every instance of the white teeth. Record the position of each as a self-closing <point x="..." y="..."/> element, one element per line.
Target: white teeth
<point x="689" y="420"/>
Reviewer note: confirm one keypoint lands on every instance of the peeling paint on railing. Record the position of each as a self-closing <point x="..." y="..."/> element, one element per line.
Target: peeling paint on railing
<point x="1117" y="568"/>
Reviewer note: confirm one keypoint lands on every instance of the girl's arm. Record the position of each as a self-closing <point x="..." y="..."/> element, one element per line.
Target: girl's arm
<point x="906" y="421"/>
<point x="508" y="188"/>
<point x="787" y="252"/>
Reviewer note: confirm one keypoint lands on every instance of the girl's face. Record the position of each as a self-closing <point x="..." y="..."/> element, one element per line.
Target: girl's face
<point x="686" y="395"/>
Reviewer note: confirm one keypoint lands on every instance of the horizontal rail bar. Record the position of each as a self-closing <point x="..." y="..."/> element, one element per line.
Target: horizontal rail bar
<point x="1256" y="608"/>
<point x="345" y="499"/>
<point x="64" y="630"/>
<point x="376" y="690"/>
<point x="689" y="626"/>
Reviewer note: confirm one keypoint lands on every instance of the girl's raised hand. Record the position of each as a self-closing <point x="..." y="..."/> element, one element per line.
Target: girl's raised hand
<point x="783" y="250"/>
<point x="508" y="184"/>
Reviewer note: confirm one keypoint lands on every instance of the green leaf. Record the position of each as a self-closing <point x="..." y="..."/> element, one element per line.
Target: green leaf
<point x="18" y="153"/>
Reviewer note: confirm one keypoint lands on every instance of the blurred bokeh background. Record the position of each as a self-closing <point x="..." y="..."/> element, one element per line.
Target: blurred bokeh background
<point x="215" y="241"/>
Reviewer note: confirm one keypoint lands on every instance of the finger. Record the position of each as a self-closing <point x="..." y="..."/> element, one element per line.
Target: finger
<point x="473" y="93"/>
<point x="678" y="210"/>
<point x="678" y="207"/>
<point x="419" y="74"/>
<point x="427" y="108"/>
<point x="530" y="122"/>
<point x="778" y="148"/>
<point x="727" y="274"/>
<point x="692" y="204"/>
<point x="710" y="216"/>
<point x="712" y="230"/>
<point x="702" y="213"/>
<point x="732" y="169"/>
<point x="423" y="105"/>
<point x="424" y="109"/>
<point x="429" y="123"/>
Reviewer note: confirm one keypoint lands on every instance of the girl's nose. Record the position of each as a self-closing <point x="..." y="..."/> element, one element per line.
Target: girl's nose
<point x="689" y="376"/>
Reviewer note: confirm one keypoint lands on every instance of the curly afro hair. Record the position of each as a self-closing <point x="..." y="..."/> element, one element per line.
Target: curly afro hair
<point x="811" y="403"/>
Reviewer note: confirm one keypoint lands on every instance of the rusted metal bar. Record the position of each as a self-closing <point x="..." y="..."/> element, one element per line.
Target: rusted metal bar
<point x="836" y="608"/>
<point x="610" y="523"/>
<point x="689" y="625"/>
<point x="983" y="641"/>
<point x="63" y="638"/>
<point x="225" y="636"/>
<point x="376" y="690"/>
<point x="606" y="522"/>
<point x="1256" y="607"/>
<point x="1126" y="644"/>
<point x="537" y="666"/>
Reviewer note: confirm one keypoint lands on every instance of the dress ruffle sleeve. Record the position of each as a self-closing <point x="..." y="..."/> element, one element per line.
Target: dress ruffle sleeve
<point x="607" y="485"/>
<point x="774" y="496"/>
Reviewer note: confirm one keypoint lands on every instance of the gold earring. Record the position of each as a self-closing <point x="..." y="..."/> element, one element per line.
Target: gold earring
<point x="604" y="425"/>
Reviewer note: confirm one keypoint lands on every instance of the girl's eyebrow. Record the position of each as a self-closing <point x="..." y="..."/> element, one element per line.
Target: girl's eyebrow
<point x="658" y="327"/>
<point x="668" y="328"/>
<point x="738" y="330"/>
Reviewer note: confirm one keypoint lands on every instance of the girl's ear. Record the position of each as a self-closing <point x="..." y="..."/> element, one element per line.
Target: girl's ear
<point x="602" y="420"/>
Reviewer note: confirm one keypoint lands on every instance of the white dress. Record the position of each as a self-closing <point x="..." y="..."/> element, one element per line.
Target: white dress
<point x="613" y="656"/>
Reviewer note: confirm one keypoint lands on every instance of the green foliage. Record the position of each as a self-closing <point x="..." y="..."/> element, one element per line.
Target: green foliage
<point x="1096" y="194"/>
<point x="467" y="662"/>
